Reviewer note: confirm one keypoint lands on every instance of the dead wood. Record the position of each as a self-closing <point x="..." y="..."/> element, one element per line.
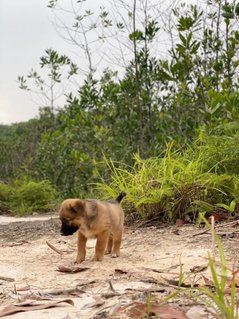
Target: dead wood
<point x="54" y="248"/>
<point x="57" y="292"/>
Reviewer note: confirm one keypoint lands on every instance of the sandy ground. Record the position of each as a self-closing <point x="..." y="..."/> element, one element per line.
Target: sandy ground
<point x="149" y="266"/>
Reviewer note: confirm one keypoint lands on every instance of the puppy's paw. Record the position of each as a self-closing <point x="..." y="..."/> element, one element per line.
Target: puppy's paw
<point x="79" y="259"/>
<point x="107" y="252"/>
<point x="97" y="258"/>
<point x="115" y="255"/>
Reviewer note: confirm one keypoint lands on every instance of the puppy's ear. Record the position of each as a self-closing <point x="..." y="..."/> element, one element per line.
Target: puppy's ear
<point x="78" y="206"/>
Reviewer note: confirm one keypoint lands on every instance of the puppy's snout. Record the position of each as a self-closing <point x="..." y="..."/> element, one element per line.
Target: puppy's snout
<point x="67" y="230"/>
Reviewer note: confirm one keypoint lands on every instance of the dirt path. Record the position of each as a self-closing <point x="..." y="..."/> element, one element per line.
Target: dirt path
<point x="149" y="262"/>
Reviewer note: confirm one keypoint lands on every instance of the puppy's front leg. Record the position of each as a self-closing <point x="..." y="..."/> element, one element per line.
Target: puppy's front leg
<point x="81" y="250"/>
<point x="102" y="240"/>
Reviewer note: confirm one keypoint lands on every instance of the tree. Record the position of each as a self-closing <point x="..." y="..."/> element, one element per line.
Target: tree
<point x="52" y="85"/>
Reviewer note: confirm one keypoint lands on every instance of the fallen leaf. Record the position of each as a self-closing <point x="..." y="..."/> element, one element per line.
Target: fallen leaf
<point x="141" y="310"/>
<point x="18" y="243"/>
<point x="71" y="270"/>
<point x="217" y="217"/>
<point x="181" y="222"/>
<point x="121" y="271"/>
<point x="7" y="278"/>
<point x="30" y="306"/>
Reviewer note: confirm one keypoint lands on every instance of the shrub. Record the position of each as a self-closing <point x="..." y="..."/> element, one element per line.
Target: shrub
<point x="5" y="193"/>
<point x="172" y="185"/>
<point x="30" y="196"/>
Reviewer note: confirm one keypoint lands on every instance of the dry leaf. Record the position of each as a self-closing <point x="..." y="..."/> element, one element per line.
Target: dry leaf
<point x="6" y="278"/>
<point x="30" y="306"/>
<point x="181" y="222"/>
<point x="71" y="270"/>
<point x="18" y="243"/>
<point x="217" y="217"/>
<point x="121" y="271"/>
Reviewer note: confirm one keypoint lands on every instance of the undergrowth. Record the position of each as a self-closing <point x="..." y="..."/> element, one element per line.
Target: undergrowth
<point x="23" y="197"/>
<point x="177" y="184"/>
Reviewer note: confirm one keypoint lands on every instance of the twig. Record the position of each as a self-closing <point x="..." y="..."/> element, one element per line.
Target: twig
<point x="202" y="232"/>
<point x="216" y="227"/>
<point x="110" y="294"/>
<point x="57" y="292"/>
<point x="111" y="286"/>
<point x="144" y="223"/>
<point x="54" y="248"/>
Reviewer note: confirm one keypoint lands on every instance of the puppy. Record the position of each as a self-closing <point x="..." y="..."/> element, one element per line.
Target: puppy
<point x="94" y="219"/>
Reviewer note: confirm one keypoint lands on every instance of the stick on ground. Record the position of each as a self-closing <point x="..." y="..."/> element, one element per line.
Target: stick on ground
<point x="54" y="248"/>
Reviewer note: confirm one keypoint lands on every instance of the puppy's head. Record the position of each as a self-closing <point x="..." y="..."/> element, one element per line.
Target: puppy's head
<point x="71" y="214"/>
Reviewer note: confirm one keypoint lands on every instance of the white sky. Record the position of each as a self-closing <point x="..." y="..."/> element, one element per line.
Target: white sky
<point x="26" y="31"/>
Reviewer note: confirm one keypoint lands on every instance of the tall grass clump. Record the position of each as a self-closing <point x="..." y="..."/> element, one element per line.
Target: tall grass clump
<point x="220" y="295"/>
<point x="175" y="184"/>
<point x="217" y="298"/>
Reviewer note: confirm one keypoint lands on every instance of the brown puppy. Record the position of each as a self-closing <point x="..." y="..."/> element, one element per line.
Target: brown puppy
<point x="94" y="219"/>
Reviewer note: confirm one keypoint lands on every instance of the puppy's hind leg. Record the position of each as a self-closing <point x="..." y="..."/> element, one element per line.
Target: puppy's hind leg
<point x="117" y="243"/>
<point x="109" y="245"/>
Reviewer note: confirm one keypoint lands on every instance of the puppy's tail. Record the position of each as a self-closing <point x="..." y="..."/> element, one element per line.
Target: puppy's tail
<point x="120" y="197"/>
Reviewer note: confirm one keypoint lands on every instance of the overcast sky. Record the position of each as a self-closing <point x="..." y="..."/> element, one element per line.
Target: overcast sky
<point x="26" y="30"/>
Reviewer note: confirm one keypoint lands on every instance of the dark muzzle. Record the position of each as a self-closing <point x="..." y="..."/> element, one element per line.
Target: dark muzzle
<point x="67" y="230"/>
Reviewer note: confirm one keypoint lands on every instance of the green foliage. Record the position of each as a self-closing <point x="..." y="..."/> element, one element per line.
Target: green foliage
<point x="177" y="183"/>
<point x="5" y="194"/>
<point x="219" y="149"/>
<point x="152" y="103"/>
<point x="25" y="196"/>
<point x="223" y="304"/>
<point x="57" y="69"/>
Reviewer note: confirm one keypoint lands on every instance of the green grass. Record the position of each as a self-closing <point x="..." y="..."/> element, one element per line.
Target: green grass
<point x="221" y="297"/>
<point x="170" y="185"/>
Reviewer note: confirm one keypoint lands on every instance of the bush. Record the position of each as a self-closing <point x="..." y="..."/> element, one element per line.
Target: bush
<point x="5" y="194"/>
<point x="30" y="196"/>
<point x="176" y="184"/>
